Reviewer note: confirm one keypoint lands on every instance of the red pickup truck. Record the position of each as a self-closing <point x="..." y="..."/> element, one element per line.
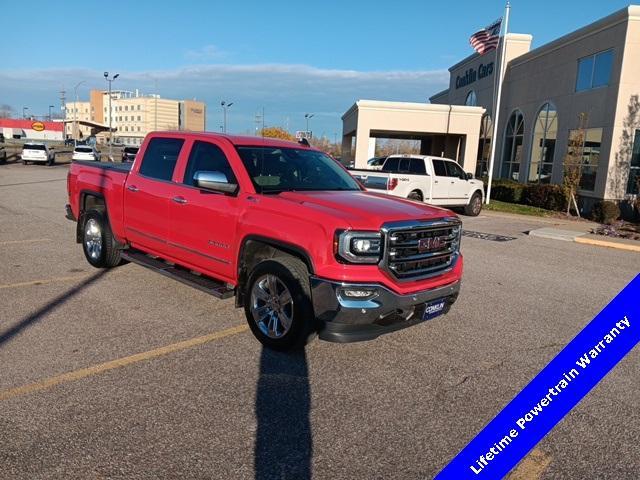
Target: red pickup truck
<point x="281" y="226"/>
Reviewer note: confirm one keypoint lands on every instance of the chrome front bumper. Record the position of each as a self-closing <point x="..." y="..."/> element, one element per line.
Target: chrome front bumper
<point x="347" y="318"/>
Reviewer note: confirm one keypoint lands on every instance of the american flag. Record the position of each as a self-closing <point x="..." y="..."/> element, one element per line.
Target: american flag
<point x="487" y="38"/>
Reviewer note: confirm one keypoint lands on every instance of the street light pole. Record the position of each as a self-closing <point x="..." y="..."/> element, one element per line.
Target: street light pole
<point x="75" y="115"/>
<point x="224" y="106"/>
<point x="109" y="80"/>
<point x="50" y="107"/>
<point x="307" y="116"/>
<point x="24" y="112"/>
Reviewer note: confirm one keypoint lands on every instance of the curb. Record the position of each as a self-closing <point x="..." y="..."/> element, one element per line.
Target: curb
<point x="604" y="243"/>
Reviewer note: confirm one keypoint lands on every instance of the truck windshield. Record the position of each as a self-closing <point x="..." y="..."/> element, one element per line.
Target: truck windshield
<point x="276" y="169"/>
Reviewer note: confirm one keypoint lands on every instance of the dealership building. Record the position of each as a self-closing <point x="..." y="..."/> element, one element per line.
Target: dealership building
<point x="579" y="94"/>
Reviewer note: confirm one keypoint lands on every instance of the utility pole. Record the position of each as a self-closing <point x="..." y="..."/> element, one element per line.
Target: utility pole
<point x="109" y="80"/>
<point x="225" y="105"/>
<point x="24" y="112"/>
<point x="75" y="114"/>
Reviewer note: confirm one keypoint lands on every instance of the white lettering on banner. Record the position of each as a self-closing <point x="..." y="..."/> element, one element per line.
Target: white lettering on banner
<point x="583" y="362"/>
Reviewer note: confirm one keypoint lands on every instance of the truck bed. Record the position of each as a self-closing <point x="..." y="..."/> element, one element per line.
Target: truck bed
<point x="121" y="167"/>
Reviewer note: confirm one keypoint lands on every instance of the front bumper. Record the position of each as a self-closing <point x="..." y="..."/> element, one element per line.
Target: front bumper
<point x="348" y="319"/>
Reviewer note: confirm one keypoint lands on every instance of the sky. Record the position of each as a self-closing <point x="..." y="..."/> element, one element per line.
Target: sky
<point x="288" y="58"/>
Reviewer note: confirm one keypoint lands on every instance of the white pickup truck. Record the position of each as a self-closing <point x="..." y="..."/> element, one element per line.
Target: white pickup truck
<point x="434" y="180"/>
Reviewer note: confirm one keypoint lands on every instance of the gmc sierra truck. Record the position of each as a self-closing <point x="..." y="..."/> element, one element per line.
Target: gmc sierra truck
<point x="423" y="178"/>
<point x="281" y="226"/>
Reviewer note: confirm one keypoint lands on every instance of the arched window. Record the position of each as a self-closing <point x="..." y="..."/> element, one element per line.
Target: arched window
<point x="472" y="99"/>
<point x="543" y="145"/>
<point x="484" y="147"/>
<point x="512" y="150"/>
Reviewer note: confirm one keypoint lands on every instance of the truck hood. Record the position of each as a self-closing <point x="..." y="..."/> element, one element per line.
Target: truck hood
<point x="366" y="210"/>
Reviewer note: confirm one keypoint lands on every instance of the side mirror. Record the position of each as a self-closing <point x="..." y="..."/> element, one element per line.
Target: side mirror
<point x="469" y="176"/>
<point x="214" y="181"/>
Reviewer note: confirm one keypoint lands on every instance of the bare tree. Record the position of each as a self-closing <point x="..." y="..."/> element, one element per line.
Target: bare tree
<point x="6" y="111"/>
<point x="573" y="162"/>
<point x="621" y="171"/>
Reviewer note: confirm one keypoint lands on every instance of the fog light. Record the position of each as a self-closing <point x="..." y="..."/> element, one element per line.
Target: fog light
<point x="358" y="293"/>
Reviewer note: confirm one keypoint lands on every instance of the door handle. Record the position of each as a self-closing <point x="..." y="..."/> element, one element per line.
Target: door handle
<point x="180" y="200"/>
<point x="132" y="188"/>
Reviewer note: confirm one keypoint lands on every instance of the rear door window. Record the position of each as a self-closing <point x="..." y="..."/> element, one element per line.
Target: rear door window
<point x="416" y="166"/>
<point x="391" y="165"/>
<point x="403" y="166"/>
<point x="439" y="168"/>
<point x="160" y="158"/>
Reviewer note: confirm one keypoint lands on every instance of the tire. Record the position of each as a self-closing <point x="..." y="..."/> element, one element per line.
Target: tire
<point x="98" y="244"/>
<point x="415" y="195"/>
<point x="281" y="273"/>
<point x="474" y="207"/>
<point x="24" y="162"/>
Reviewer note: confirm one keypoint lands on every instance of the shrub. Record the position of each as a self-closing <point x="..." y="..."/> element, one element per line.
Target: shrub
<point x="547" y="196"/>
<point x="605" y="212"/>
<point x="507" y="191"/>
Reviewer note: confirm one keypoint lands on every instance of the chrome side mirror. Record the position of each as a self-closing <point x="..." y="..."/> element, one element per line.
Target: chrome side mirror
<point x="214" y="181"/>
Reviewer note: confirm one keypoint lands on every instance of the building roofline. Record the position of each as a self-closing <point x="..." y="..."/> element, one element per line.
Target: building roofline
<point x="411" y="106"/>
<point x="620" y="16"/>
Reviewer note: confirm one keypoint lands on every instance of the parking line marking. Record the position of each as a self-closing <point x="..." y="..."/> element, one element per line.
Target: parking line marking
<point x="33" y="240"/>
<point x="43" y="281"/>
<point x="119" y="362"/>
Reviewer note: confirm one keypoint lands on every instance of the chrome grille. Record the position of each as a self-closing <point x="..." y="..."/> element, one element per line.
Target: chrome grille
<point x="421" y="249"/>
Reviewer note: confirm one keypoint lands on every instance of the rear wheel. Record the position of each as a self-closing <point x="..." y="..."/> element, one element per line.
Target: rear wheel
<point x="98" y="244"/>
<point x="474" y="206"/>
<point x="278" y="304"/>
<point x="415" y="195"/>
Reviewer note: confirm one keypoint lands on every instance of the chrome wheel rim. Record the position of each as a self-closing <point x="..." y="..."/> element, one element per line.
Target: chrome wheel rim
<point x="477" y="205"/>
<point x="93" y="239"/>
<point x="271" y="306"/>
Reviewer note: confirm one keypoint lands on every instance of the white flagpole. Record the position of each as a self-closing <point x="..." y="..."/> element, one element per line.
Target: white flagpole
<point x="496" y="113"/>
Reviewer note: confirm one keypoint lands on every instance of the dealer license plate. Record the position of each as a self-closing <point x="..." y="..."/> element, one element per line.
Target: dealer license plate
<point x="433" y="309"/>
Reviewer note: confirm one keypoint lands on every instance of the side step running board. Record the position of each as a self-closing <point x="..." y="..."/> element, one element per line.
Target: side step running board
<point x="205" y="284"/>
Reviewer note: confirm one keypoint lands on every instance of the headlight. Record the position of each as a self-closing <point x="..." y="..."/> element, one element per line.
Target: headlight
<point x="360" y="247"/>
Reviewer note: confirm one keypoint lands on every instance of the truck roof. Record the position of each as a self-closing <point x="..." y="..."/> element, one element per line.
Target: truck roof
<point x="240" y="140"/>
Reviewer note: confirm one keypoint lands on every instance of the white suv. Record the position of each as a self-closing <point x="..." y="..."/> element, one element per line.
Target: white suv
<point x="85" y="152"/>
<point x="37" y="153"/>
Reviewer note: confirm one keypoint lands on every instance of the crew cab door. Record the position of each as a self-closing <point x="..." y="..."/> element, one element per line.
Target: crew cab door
<point x="441" y="183"/>
<point x="147" y="193"/>
<point x="202" y="223"/>
<point x="458" y="184"/>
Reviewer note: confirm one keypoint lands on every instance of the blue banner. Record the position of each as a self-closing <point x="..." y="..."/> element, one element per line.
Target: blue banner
<point x="553" y="392"/>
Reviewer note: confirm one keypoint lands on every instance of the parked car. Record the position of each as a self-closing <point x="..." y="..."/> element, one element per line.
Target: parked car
<point x="85" y="152"/>
<point x="375" y="163"/>
<point x="129" y="153"/>
<point x="434" y="180"/>
<point x="281" y="226"/>
<point x="37" y="153"/>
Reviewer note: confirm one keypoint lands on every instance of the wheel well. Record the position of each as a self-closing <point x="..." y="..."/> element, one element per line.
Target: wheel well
<point x="88" y="201"/>
<point x="254" y="251"/>
<point x="418" y="191"/>
<point x="478" y="191"/>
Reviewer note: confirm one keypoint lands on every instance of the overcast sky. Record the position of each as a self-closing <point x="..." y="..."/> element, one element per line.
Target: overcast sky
<point x="289" y="58"/>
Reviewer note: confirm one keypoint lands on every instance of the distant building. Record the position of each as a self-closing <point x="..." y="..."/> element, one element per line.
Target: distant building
<point x="132" y="116"/>
<point x="31" y="129"/>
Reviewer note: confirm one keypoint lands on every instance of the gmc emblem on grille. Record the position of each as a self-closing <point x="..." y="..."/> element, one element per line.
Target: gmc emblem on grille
<point x="430" y="243"/>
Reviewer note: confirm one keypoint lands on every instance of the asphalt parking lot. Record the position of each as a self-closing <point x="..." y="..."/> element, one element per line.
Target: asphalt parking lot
<point x="128" y="374"/>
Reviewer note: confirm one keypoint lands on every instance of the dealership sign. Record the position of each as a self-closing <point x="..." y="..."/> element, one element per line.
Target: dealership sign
<point x="473" y="74"/>
<point x="37" y="126"/>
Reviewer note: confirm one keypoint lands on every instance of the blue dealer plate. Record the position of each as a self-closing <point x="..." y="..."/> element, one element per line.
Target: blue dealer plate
<point x="433" y="309"/>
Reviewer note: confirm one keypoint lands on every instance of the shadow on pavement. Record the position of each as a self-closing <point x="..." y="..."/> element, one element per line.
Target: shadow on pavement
<point x="49" y="307"/>
<point x="283" y="446"/>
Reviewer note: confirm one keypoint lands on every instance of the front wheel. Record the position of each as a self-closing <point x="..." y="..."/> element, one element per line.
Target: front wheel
<point x="474" y="207"/>
<point x="278" y="304"/>
<point x="98" y="244"/>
